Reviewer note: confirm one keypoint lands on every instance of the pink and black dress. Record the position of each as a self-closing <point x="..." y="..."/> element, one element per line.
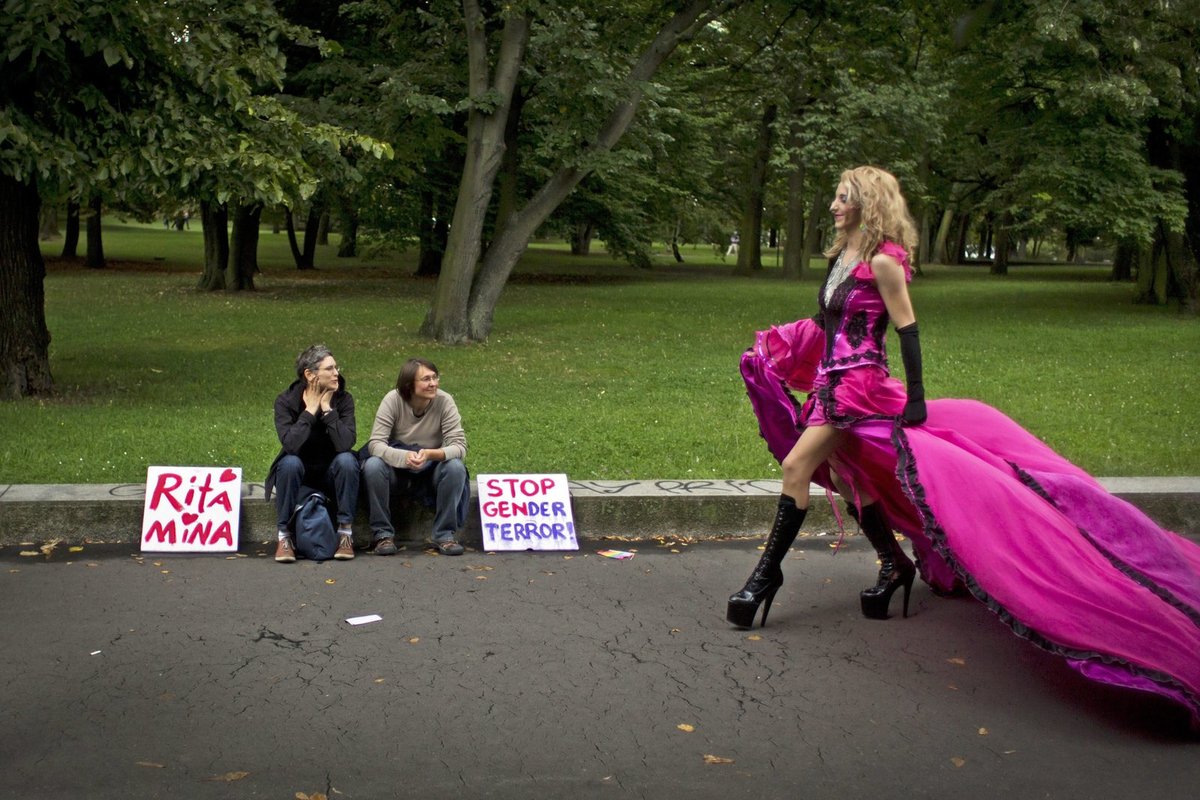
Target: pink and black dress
<point x="986" y="504"/>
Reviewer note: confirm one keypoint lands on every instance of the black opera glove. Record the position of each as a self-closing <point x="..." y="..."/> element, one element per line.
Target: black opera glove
<point x="910" y="353"/>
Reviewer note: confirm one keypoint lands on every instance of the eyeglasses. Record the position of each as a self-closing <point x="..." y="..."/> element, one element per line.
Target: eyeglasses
<point x="429" y="379"/>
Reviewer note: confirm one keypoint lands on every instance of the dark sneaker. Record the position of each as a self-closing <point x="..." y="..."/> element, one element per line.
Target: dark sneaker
<point x="345" y="550"/>
<point x="285" y="551"/>
<point x="449" y="547"/>
<point x="385" y="547"/>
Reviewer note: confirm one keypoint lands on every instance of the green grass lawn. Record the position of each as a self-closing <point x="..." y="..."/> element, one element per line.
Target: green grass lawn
<point x="594" y="368"/>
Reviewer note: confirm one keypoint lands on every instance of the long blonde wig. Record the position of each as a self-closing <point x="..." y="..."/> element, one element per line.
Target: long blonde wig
<point x="885" y="215"/>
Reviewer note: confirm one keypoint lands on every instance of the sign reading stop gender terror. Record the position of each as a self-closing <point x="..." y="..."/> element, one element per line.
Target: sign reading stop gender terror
<point x="526" y="512"/>
<point x="192" y="509"/>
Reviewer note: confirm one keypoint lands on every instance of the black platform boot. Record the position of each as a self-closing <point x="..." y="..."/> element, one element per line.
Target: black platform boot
<point x="767" y="577"/>
<point x="895" y="568"/>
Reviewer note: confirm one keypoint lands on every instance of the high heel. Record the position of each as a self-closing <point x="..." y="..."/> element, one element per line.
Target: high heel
<point x="895" y="568"/>
<point x="767" y="577"/>
<point x="877" y="599"/>
<point x="743" y="606"/>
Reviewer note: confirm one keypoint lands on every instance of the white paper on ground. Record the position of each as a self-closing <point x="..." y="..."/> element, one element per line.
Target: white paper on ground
<point x="364" y="620"/>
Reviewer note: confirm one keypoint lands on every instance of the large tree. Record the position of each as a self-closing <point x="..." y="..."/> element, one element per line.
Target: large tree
<point x="129" y="95"/>
<point x="472" y="279"/>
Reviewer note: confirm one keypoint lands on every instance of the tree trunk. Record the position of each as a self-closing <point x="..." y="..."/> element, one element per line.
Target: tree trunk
<point x="1124" y="260"/>
<point x="95" y="241"/>
<point x="674" y="242"/>
<point x="48" y="227"/>
<point x="24" y="338"/>
<point x="960" y="241"/>
<point x="243" y="251"/>
<point x="447" y="318"/>
<point x="939" y="254"/>
<point x="1000" y="259"/>
<point x="297" y="254"/>
<point x="581" y="239"/>
<point x="312" y="229"/>
<point x="750" y="249"/>
<point x="348" y="223"/>
<point x="214" y="219"/>
<point x="71" y="237"/>
<point x="323" y="228"/>
<point x="794" y="257"/>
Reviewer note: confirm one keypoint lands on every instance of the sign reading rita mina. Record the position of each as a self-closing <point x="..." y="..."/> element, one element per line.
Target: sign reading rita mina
<point x="526" y="512"/>
<point x="192" y="509"/>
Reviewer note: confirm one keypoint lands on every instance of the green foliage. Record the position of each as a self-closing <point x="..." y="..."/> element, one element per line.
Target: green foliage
<point x="594" y="369"/>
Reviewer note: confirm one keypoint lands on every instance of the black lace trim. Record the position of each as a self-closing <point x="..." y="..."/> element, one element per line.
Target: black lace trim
<point x="1128" y="570"/>
<point x="906" y="474"/>
<point x="856" y="328"/>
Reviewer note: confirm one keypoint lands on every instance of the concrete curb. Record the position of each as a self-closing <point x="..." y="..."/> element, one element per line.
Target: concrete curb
<point x="604" y="510"/>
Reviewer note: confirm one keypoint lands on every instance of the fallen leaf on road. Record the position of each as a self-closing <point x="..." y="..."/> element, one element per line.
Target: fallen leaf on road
<point x="48" y="547"/>
<point x="313" y="796"/>
<point x="711" y="759"/>
<point x="754" y="637"/>
<point x="150" y="764"/>
<point x="165" y="571"/>
<point x="960" y="662"/>
<point x="683" y="726"/>
<point x="228" y="777"/>
<point x="379" y="680"/>
<point x="75" y="549"/>
<point x="30" y="553"/>
<point x="983" y="731"/>
<point x="480" y="567"/>
<point x="331" y="581"/>
<point x="958" y="762"/>
<point x="481" y="577"/>
<point x="414" y="640"/>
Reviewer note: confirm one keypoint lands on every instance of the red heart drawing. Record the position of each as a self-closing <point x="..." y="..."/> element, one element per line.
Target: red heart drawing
<point x="188" y="517"/>
<point x="228" y="475"/>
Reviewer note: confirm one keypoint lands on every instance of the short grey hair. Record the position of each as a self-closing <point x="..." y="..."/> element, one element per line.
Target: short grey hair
<point x="311" y="359"/>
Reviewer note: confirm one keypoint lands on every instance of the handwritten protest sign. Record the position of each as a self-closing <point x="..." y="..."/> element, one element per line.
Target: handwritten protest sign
<point x="192" y="509"/>
<point x="526" y="512"/>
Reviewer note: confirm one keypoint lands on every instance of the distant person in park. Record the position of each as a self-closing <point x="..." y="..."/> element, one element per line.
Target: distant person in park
<point x="733" y="244"/>
<point x="417" y="446"/>
<point x="314" y="418"/>
<point x="988" y="507"/>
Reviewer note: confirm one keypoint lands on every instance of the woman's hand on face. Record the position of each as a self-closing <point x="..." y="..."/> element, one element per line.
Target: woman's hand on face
<point x="314" y="397"/>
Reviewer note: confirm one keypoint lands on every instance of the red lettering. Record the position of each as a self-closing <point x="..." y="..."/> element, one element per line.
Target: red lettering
<point x="223" y="532"/>
<point x="494" y="489"/>
<point x="165" y="533"/>
<point x="547" y="485"/>
<point x="205" y="488"/>
<point x="162" y="490"/>
<point x="222" y="500"/>
<point x="201" y="530"/>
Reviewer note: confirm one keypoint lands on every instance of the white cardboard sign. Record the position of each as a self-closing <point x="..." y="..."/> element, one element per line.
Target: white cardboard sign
<point x="526" y="512"/>
<point x="192" y="509"/>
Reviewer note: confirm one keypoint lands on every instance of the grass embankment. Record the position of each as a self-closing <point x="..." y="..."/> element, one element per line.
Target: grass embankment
<point x="593" y="368"/>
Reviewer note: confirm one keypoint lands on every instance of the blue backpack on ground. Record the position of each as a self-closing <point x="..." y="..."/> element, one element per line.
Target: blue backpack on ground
<point x="312" y="526"/>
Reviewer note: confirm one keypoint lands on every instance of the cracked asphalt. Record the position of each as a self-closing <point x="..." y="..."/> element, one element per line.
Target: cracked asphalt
<point x="540" y="676"/>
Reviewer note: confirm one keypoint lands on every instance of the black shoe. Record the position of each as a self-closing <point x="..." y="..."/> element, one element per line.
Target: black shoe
<point x="384" y="547"/>
<point x="767" y="577"/>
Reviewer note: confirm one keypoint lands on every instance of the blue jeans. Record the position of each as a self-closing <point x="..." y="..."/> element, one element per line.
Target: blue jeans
<point x="339" y="481"/>
<point x="445" y="487"/>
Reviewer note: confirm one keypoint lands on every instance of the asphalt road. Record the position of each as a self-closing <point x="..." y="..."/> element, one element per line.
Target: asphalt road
<point x="540" y="676"/>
